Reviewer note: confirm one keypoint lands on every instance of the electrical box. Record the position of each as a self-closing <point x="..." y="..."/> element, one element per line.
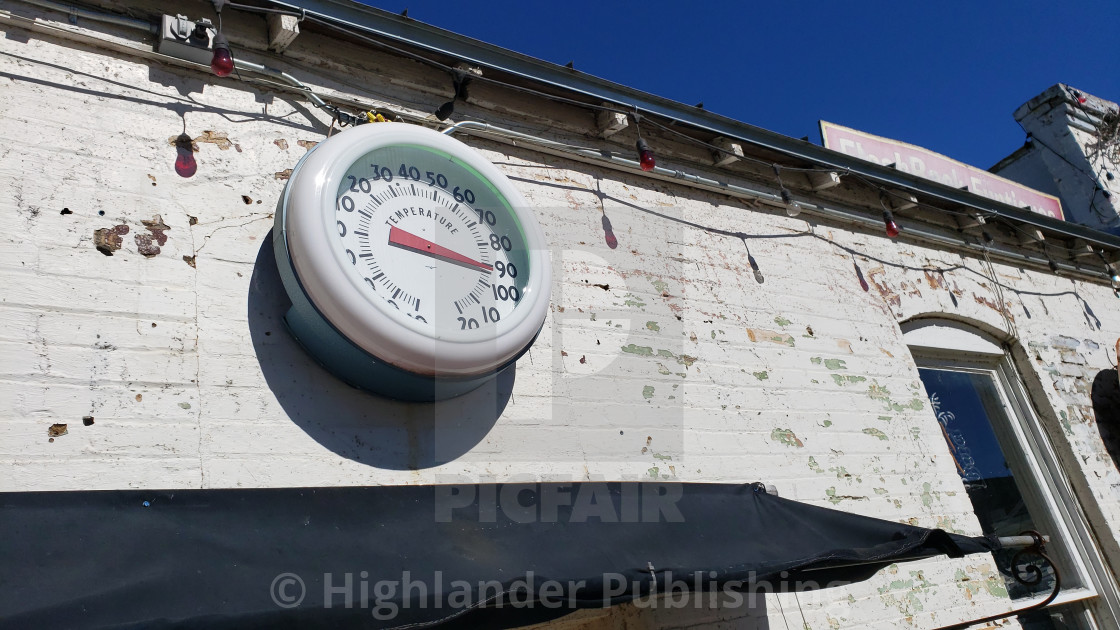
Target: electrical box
<point x="183" y="38"/>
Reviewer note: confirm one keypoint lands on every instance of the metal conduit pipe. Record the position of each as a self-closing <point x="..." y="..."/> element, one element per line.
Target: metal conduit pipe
<point x="98" y="16"/>
<point x="247" y="66"/>
<point x="851" y="216"/>
<point x="283" y="76"/>
<point x="1013" y="542"/>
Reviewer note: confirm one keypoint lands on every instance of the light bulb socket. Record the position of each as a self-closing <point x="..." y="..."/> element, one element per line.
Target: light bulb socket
<point x="220" y="42"/>
<point x="642" y="145"/>
<point x="443" y="112"/>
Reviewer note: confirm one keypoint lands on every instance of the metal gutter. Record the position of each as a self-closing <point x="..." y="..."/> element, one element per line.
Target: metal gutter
<point x="429" y="38"/>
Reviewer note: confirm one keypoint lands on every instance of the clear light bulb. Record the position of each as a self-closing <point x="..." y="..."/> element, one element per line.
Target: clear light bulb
<point x="792" y="207"/>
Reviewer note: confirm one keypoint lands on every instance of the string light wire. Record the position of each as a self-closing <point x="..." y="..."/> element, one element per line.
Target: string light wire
<point x="628" y="110"/>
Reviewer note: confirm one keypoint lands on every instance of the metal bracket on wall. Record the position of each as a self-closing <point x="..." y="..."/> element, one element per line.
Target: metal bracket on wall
<point x="1026" y="574"/>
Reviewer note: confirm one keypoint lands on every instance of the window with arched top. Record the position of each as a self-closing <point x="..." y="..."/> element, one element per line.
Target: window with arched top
<point x="1012" y="475"/>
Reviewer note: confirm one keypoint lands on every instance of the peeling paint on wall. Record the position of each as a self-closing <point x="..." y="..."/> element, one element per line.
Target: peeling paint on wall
<point x="787" y="437"/>
<point x="758" y="334"/>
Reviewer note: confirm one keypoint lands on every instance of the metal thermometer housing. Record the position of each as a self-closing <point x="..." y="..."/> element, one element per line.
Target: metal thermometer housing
<point x="415" y="268"/>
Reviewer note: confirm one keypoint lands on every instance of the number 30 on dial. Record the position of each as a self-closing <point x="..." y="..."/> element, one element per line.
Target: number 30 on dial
<point x="415" y="268"/>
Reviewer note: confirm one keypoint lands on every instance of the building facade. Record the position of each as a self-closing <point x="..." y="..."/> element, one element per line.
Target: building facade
<point x="740" y="316"/>
<point x="1071" y="151"/>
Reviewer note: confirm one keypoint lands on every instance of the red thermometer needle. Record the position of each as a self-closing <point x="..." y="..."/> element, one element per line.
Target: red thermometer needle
<point x="405" y="240"/>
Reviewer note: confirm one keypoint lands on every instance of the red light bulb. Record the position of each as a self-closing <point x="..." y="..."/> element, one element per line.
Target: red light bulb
<point x="222" y="63"/>
<point x="892" y="227"/>
<point x="645" y="156"/>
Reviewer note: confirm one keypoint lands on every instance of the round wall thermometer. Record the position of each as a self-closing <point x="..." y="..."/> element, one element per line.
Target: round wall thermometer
<point x="415" y="268"/>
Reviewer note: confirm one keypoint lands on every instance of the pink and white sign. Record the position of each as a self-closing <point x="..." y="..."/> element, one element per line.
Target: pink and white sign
<point x="925" y="163"/>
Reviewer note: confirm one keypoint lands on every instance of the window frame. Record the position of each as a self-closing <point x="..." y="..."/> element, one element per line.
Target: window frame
<point x="948" y="345"/>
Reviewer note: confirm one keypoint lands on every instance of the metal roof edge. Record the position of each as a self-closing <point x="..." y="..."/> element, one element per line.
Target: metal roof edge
<point x="411" y="32"/>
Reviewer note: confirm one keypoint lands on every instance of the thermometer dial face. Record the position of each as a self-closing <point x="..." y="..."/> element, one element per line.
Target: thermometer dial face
<point x="437" y="248"/>
<point x="417" y="249"/>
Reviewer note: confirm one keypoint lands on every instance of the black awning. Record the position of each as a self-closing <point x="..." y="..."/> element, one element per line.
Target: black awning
<point x="388" y="556"/>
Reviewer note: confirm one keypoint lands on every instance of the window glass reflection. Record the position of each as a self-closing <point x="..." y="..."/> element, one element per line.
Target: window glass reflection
<point x="967" y="405"/>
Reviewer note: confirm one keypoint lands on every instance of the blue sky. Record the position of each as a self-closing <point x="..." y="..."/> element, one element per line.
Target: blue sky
<point x="943" y="75"/>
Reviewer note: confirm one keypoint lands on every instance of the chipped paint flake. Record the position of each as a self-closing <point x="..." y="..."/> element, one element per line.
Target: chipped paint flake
<point x="633" y="300"/>
<point x="645" y="351"/>
<point x="847" y="379"/>
<point x="834" y="498"/>
<point x="878" y="392"/>
<point x="787" y="437"/>
<point x="876" y="433"/>
<point x="759" y="334"/>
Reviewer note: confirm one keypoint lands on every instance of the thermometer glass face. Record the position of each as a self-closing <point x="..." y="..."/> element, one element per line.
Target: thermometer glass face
<point x="430" y="243"/>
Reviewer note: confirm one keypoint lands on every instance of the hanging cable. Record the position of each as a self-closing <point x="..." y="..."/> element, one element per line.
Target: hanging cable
<point x="345" y="119"/>
<point x="616" y="108"/>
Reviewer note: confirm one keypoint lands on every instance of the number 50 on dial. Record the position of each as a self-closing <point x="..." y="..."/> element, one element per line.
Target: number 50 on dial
<point x="415" y="268"/>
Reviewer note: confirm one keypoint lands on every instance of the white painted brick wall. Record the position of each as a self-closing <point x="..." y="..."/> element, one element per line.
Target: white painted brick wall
<point x="803" y="381"/>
